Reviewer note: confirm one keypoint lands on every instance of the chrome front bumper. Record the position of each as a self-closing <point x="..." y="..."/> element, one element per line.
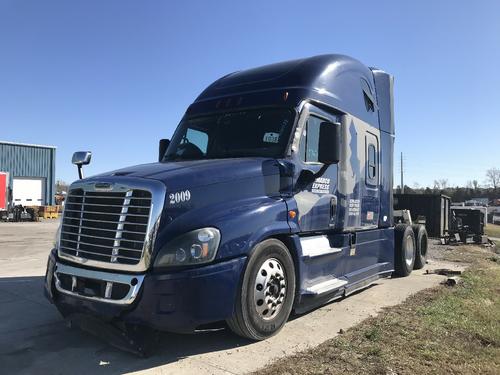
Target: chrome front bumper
<point x="101" y="286"/>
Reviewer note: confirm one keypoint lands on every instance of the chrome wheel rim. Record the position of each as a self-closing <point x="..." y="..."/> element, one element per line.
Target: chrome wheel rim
<point x="270" y="289"/>
<point x="410" y="251"/>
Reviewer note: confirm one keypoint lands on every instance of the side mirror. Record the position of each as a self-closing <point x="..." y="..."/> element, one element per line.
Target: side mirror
<point x="163" y="148"/>
<point x="81" y="158"/>
<point x="329" y="143"/>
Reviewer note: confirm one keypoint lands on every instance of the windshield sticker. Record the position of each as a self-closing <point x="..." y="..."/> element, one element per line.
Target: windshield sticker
<point x="321" y="186"/>
<point x="271" y="137"/>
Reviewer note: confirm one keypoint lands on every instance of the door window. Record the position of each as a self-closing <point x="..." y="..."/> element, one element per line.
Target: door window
<point x="309" y="143"/>
<point x="197" y="138"/>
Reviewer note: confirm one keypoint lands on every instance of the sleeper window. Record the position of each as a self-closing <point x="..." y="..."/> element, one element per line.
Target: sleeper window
<point x="371" y="160"/>
<point x="372" y="167"/>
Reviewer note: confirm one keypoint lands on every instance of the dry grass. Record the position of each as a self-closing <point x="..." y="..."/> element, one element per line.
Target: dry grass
<point x="442" y="330"/>
<point x="492" y="230"/>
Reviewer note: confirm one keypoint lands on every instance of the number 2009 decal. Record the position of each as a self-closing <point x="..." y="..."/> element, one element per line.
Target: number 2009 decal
<point x="179" y="197"/>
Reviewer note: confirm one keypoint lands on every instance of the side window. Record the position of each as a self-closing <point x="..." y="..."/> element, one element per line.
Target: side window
<point x="198" y="138"/>
<point x="309" y="142"/>
<point x="372" y="163"/>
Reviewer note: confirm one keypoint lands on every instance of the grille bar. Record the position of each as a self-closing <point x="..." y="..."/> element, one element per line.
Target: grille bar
<point x="107" y="247"/>
<point x="123" y="217"/>
<point x="99" y="237"/>
<point x="104" y="221"/>
<point x="103" y="196"/>
<point x="106" y="213"/>
<point x="108" y="230"/>
<point x="106" y="226"/>
<point x="97" y="254"/>
<point x="106" y="205"/>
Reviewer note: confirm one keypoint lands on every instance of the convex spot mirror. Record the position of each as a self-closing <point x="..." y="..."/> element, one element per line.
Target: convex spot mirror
<point x="163" y="148"/>
<point x="329" y="143"/>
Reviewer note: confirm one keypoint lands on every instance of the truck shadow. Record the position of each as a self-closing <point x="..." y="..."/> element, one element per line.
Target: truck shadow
<point x="34" y="338"/>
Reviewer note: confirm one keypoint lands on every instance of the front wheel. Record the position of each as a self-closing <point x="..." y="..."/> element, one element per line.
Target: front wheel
<point x="265" y="298"/>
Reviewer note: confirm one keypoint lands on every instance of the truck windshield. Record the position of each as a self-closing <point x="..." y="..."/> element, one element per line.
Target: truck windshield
<point x="257" y="132"/>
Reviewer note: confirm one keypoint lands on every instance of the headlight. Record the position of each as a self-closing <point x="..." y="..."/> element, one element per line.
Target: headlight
<point x="56" y="238"/>
<point x="195" y="247"/>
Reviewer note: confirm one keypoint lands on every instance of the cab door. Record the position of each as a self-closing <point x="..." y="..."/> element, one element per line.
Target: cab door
<point x="315" y="195"/>
<point x="316" y="186"/>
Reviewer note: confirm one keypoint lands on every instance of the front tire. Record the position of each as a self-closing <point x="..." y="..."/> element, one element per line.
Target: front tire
<point x="267" y="291"/>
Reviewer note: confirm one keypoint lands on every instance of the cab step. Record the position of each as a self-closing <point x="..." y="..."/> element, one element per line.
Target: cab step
<point x="325" y="286"/>
<point x="317" y="246"/>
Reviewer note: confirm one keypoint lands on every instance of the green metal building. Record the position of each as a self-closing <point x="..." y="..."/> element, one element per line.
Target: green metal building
<point x="29" y="173"/>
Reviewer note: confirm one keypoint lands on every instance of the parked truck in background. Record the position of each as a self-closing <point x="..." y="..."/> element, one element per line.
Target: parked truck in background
<point x="274" y="194"/>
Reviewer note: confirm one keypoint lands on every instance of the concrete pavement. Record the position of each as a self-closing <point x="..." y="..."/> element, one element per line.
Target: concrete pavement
<point x="34" y="338"/>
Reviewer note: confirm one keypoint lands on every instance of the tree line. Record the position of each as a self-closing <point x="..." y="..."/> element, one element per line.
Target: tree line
<point x="490" y="189"/>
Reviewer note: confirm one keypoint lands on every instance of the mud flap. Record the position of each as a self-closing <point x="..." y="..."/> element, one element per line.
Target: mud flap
<point x="134" y="339"/>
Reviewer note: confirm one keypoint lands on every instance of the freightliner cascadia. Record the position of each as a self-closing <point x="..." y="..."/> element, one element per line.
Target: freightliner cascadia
<point x="274" y="195"/>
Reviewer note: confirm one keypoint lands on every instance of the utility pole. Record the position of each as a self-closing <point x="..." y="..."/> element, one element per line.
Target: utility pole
<point x="402" y="183"/>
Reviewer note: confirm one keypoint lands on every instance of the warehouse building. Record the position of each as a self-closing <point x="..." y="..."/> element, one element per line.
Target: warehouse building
<point x="27" y="174"/>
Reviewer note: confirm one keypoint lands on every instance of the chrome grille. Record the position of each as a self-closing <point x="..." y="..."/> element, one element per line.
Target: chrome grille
<point x="106" y="226"/>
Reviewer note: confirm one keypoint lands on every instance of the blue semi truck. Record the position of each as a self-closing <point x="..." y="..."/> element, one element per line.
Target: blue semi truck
<point x="274" y="195"/>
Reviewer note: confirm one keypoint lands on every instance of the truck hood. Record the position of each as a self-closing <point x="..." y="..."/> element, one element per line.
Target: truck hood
<point x="183" y="174"/>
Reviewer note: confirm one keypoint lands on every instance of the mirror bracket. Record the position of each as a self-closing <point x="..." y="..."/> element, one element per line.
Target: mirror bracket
<point x="81" y="158"/>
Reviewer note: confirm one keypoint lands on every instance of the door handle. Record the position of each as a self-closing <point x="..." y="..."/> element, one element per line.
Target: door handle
<point x="333" y="211"/>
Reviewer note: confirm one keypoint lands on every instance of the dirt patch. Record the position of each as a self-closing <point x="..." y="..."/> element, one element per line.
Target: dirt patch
<point x="468" y="254"/>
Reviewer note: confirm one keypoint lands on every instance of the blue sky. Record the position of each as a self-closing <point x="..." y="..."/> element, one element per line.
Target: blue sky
<point x="116" y="76"/>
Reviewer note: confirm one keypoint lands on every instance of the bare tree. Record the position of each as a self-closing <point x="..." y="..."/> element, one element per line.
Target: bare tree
<point x="469" y="185"/>
<point x="443" y="182"/>
<point x="437" y="185"/>
<point x="475" y="183"/>
<point x="493" y="177"/>
<point x="416" y="185"/>
<point x="61" y="186"/>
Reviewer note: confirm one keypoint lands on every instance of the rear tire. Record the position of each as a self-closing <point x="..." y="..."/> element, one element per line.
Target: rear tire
<point x="404" y="250"/>
<point x="421" y="239"/>
<point x="265" y="298"/>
